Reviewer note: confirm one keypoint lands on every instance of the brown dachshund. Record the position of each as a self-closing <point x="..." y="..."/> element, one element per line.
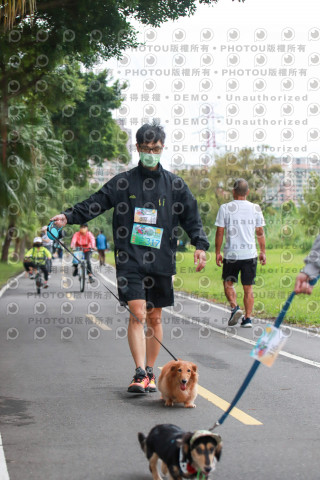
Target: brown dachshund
<point x="178" y="383"/>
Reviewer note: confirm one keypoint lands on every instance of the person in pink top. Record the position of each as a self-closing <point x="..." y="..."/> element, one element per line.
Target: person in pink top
<point x="86" y="241"/>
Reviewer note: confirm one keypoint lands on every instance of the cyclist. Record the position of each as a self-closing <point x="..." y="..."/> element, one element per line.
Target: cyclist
<point x="37" y="255"/>
<point x="86" y="241"/>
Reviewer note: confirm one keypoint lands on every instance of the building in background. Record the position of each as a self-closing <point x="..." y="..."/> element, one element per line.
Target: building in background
<point x="293" y="180"/>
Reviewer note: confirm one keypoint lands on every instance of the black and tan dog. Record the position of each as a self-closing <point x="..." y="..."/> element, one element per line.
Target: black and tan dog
<point x="183" y="454"/>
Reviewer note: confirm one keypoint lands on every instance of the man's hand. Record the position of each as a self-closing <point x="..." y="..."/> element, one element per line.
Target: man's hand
<point x="302" y="284"/>
<point x="200" y="259"/>
<point x="59" y="220"/>
<point x="219" y="259"/>
<point x="262" y="258"/>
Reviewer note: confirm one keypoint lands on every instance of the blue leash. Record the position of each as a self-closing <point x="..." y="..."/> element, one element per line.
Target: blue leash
<point x="256" y="363"/>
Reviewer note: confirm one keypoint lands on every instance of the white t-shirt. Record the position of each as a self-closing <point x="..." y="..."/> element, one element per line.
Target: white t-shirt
<point x="240" y="219"/>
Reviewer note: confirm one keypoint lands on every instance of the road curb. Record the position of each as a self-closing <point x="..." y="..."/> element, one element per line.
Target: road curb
<point x="7" y="285"/>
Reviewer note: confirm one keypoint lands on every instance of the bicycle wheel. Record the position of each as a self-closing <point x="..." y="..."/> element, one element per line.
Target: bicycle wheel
<point x="38" y="282"/>
<point x="49" y="265"/>
<point x="82" y="275"/>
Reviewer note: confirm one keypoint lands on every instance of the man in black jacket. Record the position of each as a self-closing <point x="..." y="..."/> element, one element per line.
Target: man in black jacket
<point x="149" y="205"/>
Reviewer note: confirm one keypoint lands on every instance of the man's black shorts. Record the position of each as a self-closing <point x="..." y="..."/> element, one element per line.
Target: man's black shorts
<point x="248" y="269"/>
<point x="155" y="289"/>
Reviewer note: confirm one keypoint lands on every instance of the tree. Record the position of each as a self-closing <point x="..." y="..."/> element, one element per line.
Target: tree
<point x="88" y="129"/>
<point x="310" y="209"/>
<point x="11" y="9"/>
<point x="31" y="174"/>
<point x="258" y="170"/>
<point x="70" y="30"/>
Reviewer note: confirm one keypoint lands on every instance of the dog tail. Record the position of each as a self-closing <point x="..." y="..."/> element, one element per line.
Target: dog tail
<point x="143" y="443"/>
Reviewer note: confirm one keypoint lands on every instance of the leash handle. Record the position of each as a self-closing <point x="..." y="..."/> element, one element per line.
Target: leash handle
<point x="53" y="232"/>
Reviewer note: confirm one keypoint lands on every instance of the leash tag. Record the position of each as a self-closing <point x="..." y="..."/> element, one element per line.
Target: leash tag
<point x="269" y="345"/>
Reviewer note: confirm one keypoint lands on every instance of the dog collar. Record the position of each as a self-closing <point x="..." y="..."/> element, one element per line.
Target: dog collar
<point x="185" y="467"/>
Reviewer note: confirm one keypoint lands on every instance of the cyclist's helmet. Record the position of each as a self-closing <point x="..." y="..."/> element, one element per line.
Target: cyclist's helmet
<point x="37" y="241"/>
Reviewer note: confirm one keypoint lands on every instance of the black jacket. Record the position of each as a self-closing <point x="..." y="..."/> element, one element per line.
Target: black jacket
<point x="140" y="187"/>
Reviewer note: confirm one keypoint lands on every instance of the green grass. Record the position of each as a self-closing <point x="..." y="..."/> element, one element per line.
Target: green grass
<point x="274" y="282"/>
<point x="9" y="270"/>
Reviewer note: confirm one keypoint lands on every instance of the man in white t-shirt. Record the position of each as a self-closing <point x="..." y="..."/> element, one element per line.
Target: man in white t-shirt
<point x="242" y="221"/>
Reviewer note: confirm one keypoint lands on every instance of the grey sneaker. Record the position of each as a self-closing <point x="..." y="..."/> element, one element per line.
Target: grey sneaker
<point x="246" y="323"/>
<point x="235" y="316"/>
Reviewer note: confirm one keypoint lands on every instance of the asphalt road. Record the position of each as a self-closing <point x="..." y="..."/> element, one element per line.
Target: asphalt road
<point x="65" y="367"/>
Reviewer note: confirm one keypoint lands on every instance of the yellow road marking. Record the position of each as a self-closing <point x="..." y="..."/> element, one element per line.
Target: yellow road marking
<point x="65" y="282"/>
<point x="224" y="405"/>
<point x="235" y="412"/>
<point x="98" y="322"/>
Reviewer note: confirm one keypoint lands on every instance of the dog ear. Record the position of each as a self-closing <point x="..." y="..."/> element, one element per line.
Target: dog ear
<point x="218" y="450"/>
<point x="194" y="368"/>
<point x="184" y="442"/>
<point x="185" y="439"/>
<point x="172" y="369"/>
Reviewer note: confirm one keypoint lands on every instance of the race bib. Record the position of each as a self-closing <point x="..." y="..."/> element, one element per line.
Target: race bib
<point x="146" y="235"/>
<point x="269" y="345"/>
<point x="145" y="215"/>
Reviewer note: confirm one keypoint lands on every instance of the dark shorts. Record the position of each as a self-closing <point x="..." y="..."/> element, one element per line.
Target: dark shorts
<point x="248" y="269"/>
<point x="155" y="289"/>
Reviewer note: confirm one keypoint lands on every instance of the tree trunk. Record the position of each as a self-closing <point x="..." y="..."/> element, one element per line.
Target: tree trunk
<point x="7" y="242"/>
<point x="17" y="246"/>
<point x="22" y="248"/>
<point x="4" y="120"/>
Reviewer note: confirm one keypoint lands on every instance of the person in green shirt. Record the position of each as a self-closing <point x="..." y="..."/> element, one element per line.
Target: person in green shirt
<point x="37" y="255"/>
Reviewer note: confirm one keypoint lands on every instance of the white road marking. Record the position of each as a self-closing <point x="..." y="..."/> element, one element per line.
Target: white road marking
<point x="242" y="339"/>
<point x="4" y="475"/>
<point x="262" y="320"/>
<point x="108" y="280"/>
<point x="7" y="285"/>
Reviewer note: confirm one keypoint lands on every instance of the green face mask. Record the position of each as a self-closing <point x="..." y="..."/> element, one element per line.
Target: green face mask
<point x="149" y="159"/>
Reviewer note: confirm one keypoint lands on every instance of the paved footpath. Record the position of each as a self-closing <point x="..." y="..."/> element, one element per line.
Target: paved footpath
<point x="65" y="367"/>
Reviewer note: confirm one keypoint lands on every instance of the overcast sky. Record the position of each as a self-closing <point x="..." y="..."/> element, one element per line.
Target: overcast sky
<point x="233" y="75"/>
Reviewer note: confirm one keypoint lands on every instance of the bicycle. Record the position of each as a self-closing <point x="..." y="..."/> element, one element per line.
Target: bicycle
<point x="82" y="266"/>
<point x="37" y="272"/>
<point x="38" y="278"/>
